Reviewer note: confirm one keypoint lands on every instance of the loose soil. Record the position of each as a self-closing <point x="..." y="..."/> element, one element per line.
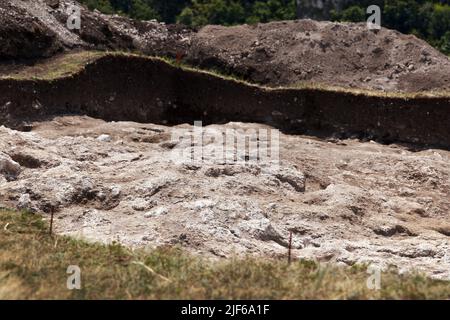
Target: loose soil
<point x="286" y="53"/>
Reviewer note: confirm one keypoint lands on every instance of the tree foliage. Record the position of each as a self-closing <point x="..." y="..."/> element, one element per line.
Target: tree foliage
<point x="429" y="20"/>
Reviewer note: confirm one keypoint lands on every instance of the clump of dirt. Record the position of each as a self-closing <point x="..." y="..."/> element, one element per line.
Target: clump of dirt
<point x="24" y="36"/>
<point x="286" y="53"/>
<point x="338" y="54"/>
<point x="98" y="31"/>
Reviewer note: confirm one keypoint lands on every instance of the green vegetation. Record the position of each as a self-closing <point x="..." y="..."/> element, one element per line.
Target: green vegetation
<point x="427" y="19"/>
<point x="33" y="265"/>
<point x="232" y="12"/>
<point x="200" y="12"/>
<point x="55" y="68"/>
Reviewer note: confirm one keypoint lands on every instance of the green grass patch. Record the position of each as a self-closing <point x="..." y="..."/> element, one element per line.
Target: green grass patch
<point x="33" y="265"/>
<point x="55" y="68"/>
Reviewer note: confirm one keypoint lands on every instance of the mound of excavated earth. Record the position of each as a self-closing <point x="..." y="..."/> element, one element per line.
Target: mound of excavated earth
<point x="344" y="201"/>
<point x="97" y="31"/>
<point x="283" y="53"/>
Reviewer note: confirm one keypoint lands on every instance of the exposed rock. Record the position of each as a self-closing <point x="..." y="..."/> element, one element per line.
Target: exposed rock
<point x="24" y="202"/>
<point x="8" y="167"/>
<point x="115" y="191"/>
<point x="156" y="212"/>
<point x="104" y="138"/>
<point x="293" y="177"/>
<point x="345" y="202"/>
<point x="26" y="160"/>
<point x="140" y="204"/>
<point x="389" y="231"/>
<point x="270" y="234"/>
<point x="52" y="3"/>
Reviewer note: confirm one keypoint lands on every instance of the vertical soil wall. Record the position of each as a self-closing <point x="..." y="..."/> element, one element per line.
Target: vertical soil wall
<point x="150" y="90"/>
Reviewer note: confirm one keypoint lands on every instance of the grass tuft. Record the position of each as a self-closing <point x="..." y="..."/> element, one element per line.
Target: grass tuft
<point x="33" y="265"/>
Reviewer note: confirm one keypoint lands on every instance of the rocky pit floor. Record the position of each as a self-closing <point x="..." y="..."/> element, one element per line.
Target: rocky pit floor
<point x="345" y="201"/>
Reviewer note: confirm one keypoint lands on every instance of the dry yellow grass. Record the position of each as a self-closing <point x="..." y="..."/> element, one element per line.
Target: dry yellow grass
<point x="33" y="265"/>
<point x="56" y="67"/>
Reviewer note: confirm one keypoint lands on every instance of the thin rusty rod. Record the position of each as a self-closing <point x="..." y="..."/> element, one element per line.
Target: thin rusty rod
<point x="290" y="248"/>
<point x="51" y="222"/>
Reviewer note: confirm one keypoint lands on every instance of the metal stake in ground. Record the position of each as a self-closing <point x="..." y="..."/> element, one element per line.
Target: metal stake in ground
<point x="51" y="221"/>
<point x="290" y="247"/>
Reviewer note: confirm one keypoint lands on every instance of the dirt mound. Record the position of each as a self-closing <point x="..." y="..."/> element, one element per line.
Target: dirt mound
<point x="345" y="202"/>
<point x="98" y="31"/>
<point x="285" y="53"/>
<point x="337" y="54"/>
<point x="23" y="36"/>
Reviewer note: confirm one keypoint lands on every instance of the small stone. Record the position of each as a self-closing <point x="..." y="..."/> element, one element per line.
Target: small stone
<point x="115" y="191"/>
<point x="8" y="167"/>
<point x="291" y="176"/>
<point x="156" y="212"/>
<point x="377" y="50"/>
<point x="54" y="4"/>
<point x="24" y="202"/>
<point x="141" y="204"/>
<point x="203" y="203"/>
<point x="101" y="196"/>
<point x="104" y="138"/>
<point x="37" y="105"/>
